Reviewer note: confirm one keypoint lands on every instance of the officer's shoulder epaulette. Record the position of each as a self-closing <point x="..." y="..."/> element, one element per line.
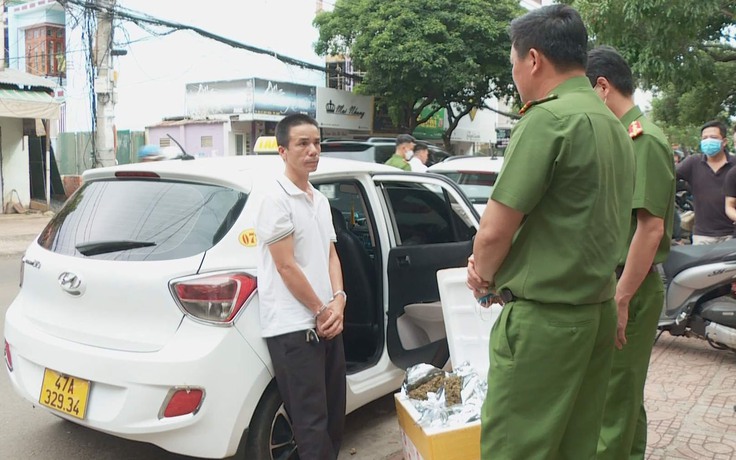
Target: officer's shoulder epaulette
<point x="635" y="129"/>
<point x="531" y="104"/>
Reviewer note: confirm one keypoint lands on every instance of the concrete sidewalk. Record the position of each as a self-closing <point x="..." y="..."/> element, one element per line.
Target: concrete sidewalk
<point x="17" y="231"/>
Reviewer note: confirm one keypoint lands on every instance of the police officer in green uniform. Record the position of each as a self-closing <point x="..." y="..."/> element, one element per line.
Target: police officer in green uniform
<point x="639" y="293"/>
<point x="404" y="150"/>
<point x="548" y="245"/>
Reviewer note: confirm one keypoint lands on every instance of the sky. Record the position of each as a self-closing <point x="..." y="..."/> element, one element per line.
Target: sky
<point x="153" y="75"/>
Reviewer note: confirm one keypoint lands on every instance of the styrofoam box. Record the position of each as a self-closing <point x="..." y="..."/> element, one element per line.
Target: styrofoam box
<point x="468" y="327"/>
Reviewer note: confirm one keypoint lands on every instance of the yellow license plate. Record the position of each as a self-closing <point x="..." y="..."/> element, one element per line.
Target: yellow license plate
<point x="64" y="393"/>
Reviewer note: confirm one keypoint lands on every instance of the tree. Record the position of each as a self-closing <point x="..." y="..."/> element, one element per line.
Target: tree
<point x="430" y="53"/>
<point x="684" y="49"/>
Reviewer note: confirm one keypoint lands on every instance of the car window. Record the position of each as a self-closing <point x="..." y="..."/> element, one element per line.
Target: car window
<point x="426" y="214"/>
<point x="179" y="219"/>
<point x="477" y="186"/>
<point x="384" y="152"/>
<point x="346" y="197"/>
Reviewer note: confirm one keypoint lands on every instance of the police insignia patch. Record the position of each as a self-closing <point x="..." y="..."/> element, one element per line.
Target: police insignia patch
<point x="635" y="129"/>
<point x="531" y="104"/>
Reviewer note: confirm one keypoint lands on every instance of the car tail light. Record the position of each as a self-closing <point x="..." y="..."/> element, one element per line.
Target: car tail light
<point x="182" y="401"/>
<point x="214" y="298"/>
<point x="8" y="357"/>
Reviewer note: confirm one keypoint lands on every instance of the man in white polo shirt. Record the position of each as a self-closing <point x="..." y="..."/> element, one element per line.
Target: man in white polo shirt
<point x="301" y="294"/>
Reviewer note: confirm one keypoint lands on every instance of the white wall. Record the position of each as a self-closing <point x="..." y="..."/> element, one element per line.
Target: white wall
<point x="15" y="163"/>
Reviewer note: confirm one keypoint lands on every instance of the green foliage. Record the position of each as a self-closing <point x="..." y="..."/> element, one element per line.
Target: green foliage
<point x="685" y="49"/>
<point x="415" y="53"/>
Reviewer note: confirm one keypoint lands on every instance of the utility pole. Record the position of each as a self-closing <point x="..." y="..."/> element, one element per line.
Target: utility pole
<point x="104" y="86"/>
<point x="2" y="35"/>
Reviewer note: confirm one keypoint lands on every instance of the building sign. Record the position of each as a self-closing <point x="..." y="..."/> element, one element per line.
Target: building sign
<point x="273" y="100"/>
<point x="432" y="128"/>
<point x="254" y="98"/>
<point x="219" y="98"/>
<point x="344" y="110"/>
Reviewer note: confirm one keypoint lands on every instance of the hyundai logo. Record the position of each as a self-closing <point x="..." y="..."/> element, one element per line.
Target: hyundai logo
<point x="71" y="283"/>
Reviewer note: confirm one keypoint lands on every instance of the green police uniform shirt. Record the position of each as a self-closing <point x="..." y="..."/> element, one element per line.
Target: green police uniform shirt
<point x="654" y="188"/>
<point x="397" y="161"/>
<point x="569" y="167"/>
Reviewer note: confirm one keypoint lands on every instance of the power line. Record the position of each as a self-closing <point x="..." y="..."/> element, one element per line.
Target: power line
<point x="139" y="18"/>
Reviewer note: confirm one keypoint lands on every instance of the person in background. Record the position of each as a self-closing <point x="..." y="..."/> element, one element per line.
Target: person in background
<point x="706" y="175"/>
<point x="404" y="151"/>
<point x="639" y="291"/>
<point x="150" y="152"/>
<point x="418" y="161"/>
<point x="548" y="245"/>
<point x="729" y="189"/>
<point x="301" y="294"/>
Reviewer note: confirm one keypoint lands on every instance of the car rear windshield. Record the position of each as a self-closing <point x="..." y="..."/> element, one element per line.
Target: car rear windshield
<point x="141" y="220"/>
<point x="477" y="186"/>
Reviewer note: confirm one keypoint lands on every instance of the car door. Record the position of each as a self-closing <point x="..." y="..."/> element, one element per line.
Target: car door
<point x="431" y="225"/>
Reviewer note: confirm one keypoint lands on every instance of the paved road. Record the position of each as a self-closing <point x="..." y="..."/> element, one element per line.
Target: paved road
<point x="28" y="433"/>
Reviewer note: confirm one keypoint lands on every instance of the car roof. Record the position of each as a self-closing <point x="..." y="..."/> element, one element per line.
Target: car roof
<point x="485" y="164"/>
<point x="239" y="171"/>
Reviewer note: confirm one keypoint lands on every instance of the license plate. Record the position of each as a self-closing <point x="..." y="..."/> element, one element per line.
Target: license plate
<point x="64" y="393"/>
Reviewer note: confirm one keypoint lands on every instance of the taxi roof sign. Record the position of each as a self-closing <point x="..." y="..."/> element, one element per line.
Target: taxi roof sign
<point x="266" y="145"/>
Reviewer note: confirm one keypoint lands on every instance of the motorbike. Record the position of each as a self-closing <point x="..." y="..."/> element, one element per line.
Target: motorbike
<point x="699" y="293"/>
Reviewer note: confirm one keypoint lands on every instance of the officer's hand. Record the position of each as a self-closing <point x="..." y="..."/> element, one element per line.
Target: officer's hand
<point x="622" y="311"/>
<point x="475" y="283"/>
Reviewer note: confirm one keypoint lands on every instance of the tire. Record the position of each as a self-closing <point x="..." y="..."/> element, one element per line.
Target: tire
<point x="270" y="436"/>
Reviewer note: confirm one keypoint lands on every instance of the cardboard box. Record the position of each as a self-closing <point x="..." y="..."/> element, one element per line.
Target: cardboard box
<point x="455" y="443"/>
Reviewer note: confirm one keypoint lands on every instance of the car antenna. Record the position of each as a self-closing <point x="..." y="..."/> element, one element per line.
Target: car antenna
<point x="184" y="155"/>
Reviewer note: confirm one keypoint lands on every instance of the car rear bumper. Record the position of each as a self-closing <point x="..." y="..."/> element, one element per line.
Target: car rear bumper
<point x="128" y="389"/>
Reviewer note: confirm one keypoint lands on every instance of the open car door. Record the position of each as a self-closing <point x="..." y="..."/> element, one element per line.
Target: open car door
<point x="431" y="227"/>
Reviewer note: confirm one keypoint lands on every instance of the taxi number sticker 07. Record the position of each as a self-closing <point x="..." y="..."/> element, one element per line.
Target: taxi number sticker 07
<point x="64" y="393"/>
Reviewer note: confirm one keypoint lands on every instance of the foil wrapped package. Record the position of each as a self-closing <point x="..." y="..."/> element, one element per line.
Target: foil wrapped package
<point x="445" y="399"/>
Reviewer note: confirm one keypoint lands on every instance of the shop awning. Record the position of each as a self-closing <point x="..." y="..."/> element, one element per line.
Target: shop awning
<point x="16" y="103"/>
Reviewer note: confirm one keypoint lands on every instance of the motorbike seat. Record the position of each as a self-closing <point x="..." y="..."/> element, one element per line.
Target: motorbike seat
<point x="684" y="257"/>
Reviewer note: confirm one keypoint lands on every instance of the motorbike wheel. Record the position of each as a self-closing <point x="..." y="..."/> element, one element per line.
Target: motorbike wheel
<point x="270" y="436"/>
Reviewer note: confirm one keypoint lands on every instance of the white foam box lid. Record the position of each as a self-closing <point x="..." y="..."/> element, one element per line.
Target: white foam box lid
<point x="467" y="324"/>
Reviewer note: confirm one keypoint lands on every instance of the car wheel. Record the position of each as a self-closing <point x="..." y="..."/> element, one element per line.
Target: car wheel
<point x="270" y="436"/>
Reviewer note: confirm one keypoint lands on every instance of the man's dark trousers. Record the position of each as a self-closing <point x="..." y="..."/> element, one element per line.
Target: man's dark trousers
<point x="311" y="380"/>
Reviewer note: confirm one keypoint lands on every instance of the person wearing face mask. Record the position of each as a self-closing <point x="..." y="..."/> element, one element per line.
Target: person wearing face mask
<point x="729" y="189"/>
<point x="404" y="151"/>
<point x="706" y="175"/>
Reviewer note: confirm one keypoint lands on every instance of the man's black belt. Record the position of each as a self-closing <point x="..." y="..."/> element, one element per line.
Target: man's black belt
<point x="620" y="270"/>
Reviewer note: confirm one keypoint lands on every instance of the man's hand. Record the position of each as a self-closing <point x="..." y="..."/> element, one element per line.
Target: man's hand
<point x="330" y="322"/>
<point x="622" y="310"/>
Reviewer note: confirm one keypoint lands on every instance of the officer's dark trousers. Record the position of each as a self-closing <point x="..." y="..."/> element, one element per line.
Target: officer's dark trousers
<point x="624" y="432"/>
<point x="311" y="380"/>
<point x="549" y="366"/>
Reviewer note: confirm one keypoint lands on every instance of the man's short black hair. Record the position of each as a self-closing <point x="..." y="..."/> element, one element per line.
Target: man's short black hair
<point x="715" y="124"/>
<point x="421" y="146"/>
<point x="404" y="139"/>
<point x="283" y="128"/>
<point x="557" y="31"/>
<point x="604" y="61"/>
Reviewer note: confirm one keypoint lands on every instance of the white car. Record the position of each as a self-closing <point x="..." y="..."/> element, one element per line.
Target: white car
<point x="475" y="175"/>
<point x="138" y="310"/>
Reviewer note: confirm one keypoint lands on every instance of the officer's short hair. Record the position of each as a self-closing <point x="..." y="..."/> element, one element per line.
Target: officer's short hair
<point x="283" y="128"/>
<point x="404" y="139"/>
<point x="605" y="61"/>
<point x="715" y="124"/>
<point x="557" y="31"/>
